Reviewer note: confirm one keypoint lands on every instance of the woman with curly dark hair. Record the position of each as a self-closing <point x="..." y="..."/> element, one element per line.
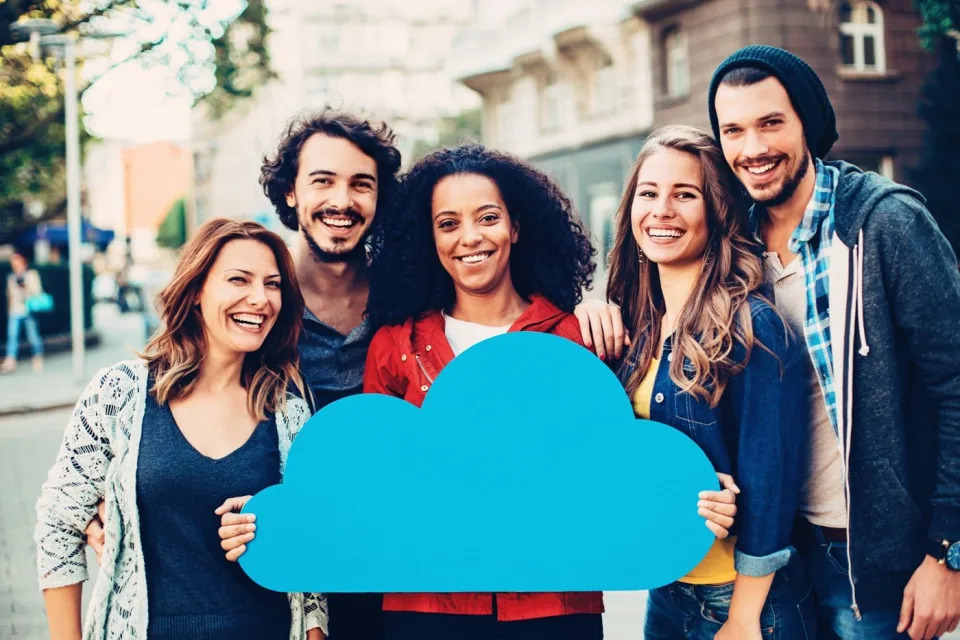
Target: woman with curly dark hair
<point x="481" y="244"/>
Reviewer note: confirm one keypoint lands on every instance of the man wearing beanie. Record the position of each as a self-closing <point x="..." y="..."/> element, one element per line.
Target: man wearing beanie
<point x="861" y="270"/>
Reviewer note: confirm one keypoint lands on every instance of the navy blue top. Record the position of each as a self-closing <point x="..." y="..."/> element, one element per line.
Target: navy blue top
<point x="331" y="362"/>
<point x="193" y="591"/>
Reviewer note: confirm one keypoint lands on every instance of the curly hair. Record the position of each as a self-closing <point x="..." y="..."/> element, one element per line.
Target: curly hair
<point x="717" y="314"/>
<point x="552" y="257"/>
<point x="279" y="173"/>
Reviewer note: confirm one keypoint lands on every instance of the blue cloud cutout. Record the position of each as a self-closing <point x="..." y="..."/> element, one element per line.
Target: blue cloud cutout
<point x="525" y="470"/>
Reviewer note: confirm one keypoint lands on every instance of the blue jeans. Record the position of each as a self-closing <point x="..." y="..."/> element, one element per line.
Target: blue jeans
<point x="13" y="334"/>
<point x="406" y="625"/>
<point x="826" y="564"/>
<point x="681" y="611"/>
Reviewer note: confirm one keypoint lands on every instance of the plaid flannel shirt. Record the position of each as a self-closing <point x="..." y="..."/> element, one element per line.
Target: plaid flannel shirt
<point x="812" y="239"/>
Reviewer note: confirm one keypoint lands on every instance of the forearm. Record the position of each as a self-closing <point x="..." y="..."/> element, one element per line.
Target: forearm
<point x="749" y="596"/>
<point x="315" y="634"/>
<point x="63" y="611"/>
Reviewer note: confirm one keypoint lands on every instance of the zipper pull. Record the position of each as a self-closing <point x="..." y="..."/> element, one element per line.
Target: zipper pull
<point x="856" y="612"/>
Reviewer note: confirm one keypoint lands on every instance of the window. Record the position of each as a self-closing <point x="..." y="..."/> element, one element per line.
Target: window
<point x="882" y="164"/>
<point x="861" y="36"/>
<point x="552" y="105"/>
<point x="676" y="63"/>
<point x="605" y="89"/>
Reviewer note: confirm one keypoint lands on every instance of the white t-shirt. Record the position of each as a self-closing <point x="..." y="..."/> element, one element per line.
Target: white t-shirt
<point x="462" y="335"/>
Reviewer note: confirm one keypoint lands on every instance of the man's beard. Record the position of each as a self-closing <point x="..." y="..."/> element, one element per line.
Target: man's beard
<point x="791" y="183"/>
<point x="321" y="255"/>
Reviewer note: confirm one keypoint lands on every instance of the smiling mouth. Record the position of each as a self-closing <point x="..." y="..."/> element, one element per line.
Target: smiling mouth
<point x="249" y="321"/>
<point x="339" y="221"/>
<point x="661" y="233"/>
<point x="475" y="258"/>
<point x="763" y="169"/>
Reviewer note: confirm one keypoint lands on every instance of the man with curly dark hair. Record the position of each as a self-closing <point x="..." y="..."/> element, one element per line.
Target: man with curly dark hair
<point x="332" y="174"/>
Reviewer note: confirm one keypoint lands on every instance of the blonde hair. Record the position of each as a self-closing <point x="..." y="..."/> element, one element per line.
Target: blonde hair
<point x="717" y="313"/>
<point x="175" y="351"/>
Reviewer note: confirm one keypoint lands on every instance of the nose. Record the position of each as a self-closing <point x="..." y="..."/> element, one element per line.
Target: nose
<point x="663" y="208"/>
<point x="754" y="144"/>
<point x="470" y="234"/>
<point x="258" y="295"/>
<point x="338" y="197"/>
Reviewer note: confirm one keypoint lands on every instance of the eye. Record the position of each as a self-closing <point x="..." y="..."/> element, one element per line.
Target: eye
<point x="238" y="280"/>
<point x="490" y="217"/>
<point x="686" y="195"/>
<point x="274" y="283"/>
<point x="447" y="224"/>
<point x="730" y="131"/>
<point x="363" y="186"/>
<point x="773" y="122"/>
<point x="646" y="194"/>
<point x="322" y="180"/>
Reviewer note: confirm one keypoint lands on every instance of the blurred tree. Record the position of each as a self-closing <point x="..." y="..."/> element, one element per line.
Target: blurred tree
<point x="216" y="58"/>
<point x="452" y="131"/>
<point x="173" y="230"/>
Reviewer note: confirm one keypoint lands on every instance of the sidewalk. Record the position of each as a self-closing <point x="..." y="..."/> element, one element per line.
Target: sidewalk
<point x="25" y="391"/>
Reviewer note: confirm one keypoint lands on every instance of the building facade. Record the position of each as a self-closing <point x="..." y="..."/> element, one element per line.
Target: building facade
<point x="577" y="88"/>
<point x="380" y="58"/>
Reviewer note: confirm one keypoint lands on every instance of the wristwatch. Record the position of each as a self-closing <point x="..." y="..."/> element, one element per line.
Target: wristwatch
<point x="946" y="553"/>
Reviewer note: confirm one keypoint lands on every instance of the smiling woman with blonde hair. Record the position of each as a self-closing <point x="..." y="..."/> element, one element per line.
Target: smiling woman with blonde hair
<point x="711" y="358"/>
<point x="206" y="413"/>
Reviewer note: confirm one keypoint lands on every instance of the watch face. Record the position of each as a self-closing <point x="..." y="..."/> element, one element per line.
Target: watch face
<point x="953" y="556"/>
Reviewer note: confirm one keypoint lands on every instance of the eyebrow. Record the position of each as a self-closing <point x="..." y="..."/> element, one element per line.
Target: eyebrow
<point x="682" y="185"/>
<point x="478" y="210"/>
<point x="772" y="114"/>
<point x="250" y="273"/>
<point x="356" y="176"/>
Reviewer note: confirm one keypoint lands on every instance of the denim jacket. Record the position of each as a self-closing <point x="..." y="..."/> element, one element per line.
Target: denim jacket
<point x="757" y="433"/>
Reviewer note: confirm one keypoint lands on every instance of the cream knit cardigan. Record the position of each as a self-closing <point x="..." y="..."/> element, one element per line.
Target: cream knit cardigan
<point x="98" y="460"/>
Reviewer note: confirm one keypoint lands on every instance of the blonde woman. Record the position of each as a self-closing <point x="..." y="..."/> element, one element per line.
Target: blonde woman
<point x="205" y="414"/>
<point x="712" y="358"/>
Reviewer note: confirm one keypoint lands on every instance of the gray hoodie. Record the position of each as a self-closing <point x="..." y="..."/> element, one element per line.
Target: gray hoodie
<point x="895" y="323"/>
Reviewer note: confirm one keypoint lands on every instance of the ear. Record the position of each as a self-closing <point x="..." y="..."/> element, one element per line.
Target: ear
<point x="291" y="200"/>
<point x="514" y="233"/>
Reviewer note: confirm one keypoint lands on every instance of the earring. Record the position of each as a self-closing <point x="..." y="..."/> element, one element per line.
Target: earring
<point x="640" y="253"/>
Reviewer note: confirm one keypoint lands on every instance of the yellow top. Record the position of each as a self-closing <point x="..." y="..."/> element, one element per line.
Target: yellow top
<point x="717" y="566"/>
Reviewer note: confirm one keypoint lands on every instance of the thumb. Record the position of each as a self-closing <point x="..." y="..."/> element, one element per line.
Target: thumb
<point x="906" y="610"/>
<point x="232" y="504"/>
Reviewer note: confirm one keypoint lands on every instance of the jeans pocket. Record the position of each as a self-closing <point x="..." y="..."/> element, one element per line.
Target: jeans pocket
<point x="836" y="555"/>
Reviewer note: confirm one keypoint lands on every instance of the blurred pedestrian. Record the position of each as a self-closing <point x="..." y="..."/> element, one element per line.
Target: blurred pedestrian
<point x="23" y="286"/>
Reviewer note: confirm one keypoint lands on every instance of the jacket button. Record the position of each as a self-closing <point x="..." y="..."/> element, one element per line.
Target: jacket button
<point x="658" y="398"/>
<point x="424" y="388"/>
<point x="403" y="358"/>
<point x="429" y="347"/>
<point x="779" y="284"/>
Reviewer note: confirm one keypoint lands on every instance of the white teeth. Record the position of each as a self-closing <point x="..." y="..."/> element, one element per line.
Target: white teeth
<point x="761" y="170"/>
<point x="334" y="222"/>
<point x="665" y="233"/>
<point x="474" y="259"/>
<point x="248" y="318"/>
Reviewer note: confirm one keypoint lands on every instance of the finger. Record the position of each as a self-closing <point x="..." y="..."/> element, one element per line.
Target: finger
<point x="941" y="629"/>
<point x="727" y="482"/>
<point x="918" y="628"/>
<point x="726" y="496"/>
<point x="717" y="530"/>
<point x="584" y="319"/>
<point x="232" y="543"/>
<point x="232" y="504"/>
<point x="616" y="321"/>
<point x="906" y="611"/>
<point x="606" y="323"/>
<point x="954" y="624"/>
<point x="101" y="511"/>
<point x="722" y="508"/>
<point x="236" y="518"/>
<point x="233" y="554"/>
<point x="235" y="530"/>
<point x="596" y="330"/>
<point x="721" y="520"/>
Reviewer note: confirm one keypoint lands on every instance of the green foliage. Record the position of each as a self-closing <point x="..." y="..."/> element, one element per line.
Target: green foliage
<point x="31" y="92"/>
<point x="940" y="18"/>
<point x="173" y="230"/>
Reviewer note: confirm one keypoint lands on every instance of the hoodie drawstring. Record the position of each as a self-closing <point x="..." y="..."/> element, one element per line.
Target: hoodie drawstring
<point x="858" y="277"/>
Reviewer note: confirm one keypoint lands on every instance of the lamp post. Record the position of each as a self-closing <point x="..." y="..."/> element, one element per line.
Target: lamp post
<point x="44" y="33"/>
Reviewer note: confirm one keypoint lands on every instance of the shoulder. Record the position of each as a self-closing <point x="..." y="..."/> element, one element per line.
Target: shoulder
<point x="385" y="341"/>
<point x="295" y="413"/>
<point x="569" y="328"/>
<point x="768" y="325"/>
<point x="119" y="379"/>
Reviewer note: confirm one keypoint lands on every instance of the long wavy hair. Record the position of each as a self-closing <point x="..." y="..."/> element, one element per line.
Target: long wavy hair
<point x="175" y="351"/>
<point x="552" y="256"/>
<point x="716" y="316"/>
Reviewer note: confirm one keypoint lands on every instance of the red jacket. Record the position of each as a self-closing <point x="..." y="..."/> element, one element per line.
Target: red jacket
<point x="403" y="361"/>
